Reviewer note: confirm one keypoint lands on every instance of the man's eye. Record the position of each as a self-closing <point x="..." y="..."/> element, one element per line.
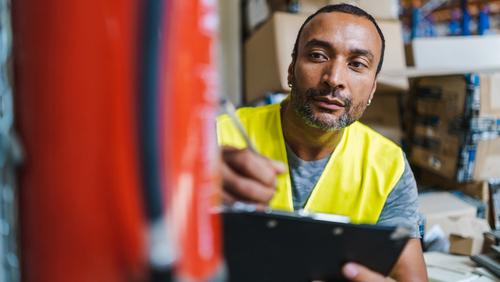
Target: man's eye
<point x="357" y="64"/>
<point x="317" y="56"/>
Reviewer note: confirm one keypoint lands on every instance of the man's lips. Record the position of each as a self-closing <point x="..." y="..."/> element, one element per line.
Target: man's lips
<point x="331" y="104"/>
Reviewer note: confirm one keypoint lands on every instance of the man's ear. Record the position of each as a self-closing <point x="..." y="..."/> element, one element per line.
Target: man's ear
<point x="290" y="70"/>
<point x="374" y="88"/>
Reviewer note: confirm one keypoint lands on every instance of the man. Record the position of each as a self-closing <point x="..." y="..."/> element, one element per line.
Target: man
<point x="336" y="165"/>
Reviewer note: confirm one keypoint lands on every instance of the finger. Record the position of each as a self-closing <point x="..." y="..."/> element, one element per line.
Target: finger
<point x="249" y="164"/>
<point x="228" y="198"/>
<point x="359" y="273"/>
<point x="245" y="189"/>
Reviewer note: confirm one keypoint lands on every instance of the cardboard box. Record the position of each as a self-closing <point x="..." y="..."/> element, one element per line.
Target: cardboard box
<point x="435" y="151"/>
<point x="466" y="236"/>
<point x="470" y="102"/>
<point x="427" y="179"/>
<point x="455" y="52"/>
<point x="470" y="156"/>
<point x="394" y="58"/>
<point x="380" y="9"/>
<point x="278" y="5"/>
<point x="487" y="163"/>
<point x="268" y="55"/>
<point x="457" y="219"/>
<point x="384" y="116"/>
<point x="441" y="208"/>
<point x="309" y="7"/>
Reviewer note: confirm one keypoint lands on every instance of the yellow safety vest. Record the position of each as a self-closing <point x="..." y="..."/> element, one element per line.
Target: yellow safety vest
<point x="362" y="171"/>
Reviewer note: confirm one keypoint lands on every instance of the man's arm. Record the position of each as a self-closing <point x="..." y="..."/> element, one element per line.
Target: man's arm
<point x="409" y="267"/>
<point x="249" y="177"/>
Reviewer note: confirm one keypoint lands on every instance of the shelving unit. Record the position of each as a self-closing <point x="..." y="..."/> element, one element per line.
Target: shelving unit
<point x="442" y="13"/>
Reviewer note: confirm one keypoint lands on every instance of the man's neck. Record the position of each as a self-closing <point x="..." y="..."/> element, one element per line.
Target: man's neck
<point x="307" y="142"/>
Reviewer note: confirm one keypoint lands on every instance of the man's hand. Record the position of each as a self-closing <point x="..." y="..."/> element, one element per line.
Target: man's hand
<point x="359" y="273"/>
<point x="409" y="267"/>
<point x="249" y="177"/>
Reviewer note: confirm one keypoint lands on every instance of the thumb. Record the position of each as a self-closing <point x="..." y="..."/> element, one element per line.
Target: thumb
<point x="359" y="273"/>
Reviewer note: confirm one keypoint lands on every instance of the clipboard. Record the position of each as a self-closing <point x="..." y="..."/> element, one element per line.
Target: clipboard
<point x="284" y="246"/>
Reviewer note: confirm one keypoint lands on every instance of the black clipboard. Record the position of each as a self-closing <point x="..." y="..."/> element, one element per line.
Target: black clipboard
<point x="288" y="247"/>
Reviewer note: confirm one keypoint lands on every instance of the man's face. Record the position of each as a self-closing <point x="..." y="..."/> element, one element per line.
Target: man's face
<point x="335" y="70"/>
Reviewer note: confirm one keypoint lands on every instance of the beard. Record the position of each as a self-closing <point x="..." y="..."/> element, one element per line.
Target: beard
<point x="325" y="120"/>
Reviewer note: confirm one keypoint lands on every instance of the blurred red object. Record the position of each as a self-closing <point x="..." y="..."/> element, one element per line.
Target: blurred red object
<point x="190" y="86"/>
<point x="80" y="200"/>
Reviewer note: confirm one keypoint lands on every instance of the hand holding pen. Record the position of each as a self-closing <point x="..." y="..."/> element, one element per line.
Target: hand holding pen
<point x="247" y="176"/>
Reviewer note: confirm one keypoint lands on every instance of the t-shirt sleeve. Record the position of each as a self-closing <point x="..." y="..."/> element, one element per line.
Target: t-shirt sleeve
<point x="401" y="206"/>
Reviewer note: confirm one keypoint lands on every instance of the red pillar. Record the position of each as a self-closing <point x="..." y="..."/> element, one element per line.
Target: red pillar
<point x="190" y="86"/>
<point x="80" y="212"/>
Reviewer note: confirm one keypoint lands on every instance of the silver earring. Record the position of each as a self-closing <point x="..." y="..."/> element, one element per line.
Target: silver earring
<point x="369" y="102"/>
<point x="289" y="85"/>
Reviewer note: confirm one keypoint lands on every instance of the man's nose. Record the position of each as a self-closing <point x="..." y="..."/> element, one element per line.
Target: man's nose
<point x="335" y="74"/>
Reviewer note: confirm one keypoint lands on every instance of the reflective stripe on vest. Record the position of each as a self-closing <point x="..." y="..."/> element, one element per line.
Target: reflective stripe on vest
<point x="362" y="171"/>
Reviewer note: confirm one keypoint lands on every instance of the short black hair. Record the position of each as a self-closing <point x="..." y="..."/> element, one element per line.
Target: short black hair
<point x="342" y="8"/>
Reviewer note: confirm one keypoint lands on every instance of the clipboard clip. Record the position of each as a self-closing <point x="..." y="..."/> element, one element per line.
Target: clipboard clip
<point x="302" y="213"/>
<point x="324" y="216"/>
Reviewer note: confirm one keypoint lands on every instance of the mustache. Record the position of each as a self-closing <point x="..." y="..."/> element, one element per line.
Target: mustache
<point x="334" y="92"/>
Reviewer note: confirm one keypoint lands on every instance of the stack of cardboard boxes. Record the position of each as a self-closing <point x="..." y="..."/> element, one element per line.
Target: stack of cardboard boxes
<point x="457" y="126"/>
<point x="455" y="136"/>
<point x="267" y="55"/>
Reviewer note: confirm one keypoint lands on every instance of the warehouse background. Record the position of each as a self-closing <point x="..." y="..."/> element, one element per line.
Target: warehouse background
<point x="438" y="97"/>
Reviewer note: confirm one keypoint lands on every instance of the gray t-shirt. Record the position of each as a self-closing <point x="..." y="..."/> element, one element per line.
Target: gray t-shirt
<point x="401" y="206"/>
